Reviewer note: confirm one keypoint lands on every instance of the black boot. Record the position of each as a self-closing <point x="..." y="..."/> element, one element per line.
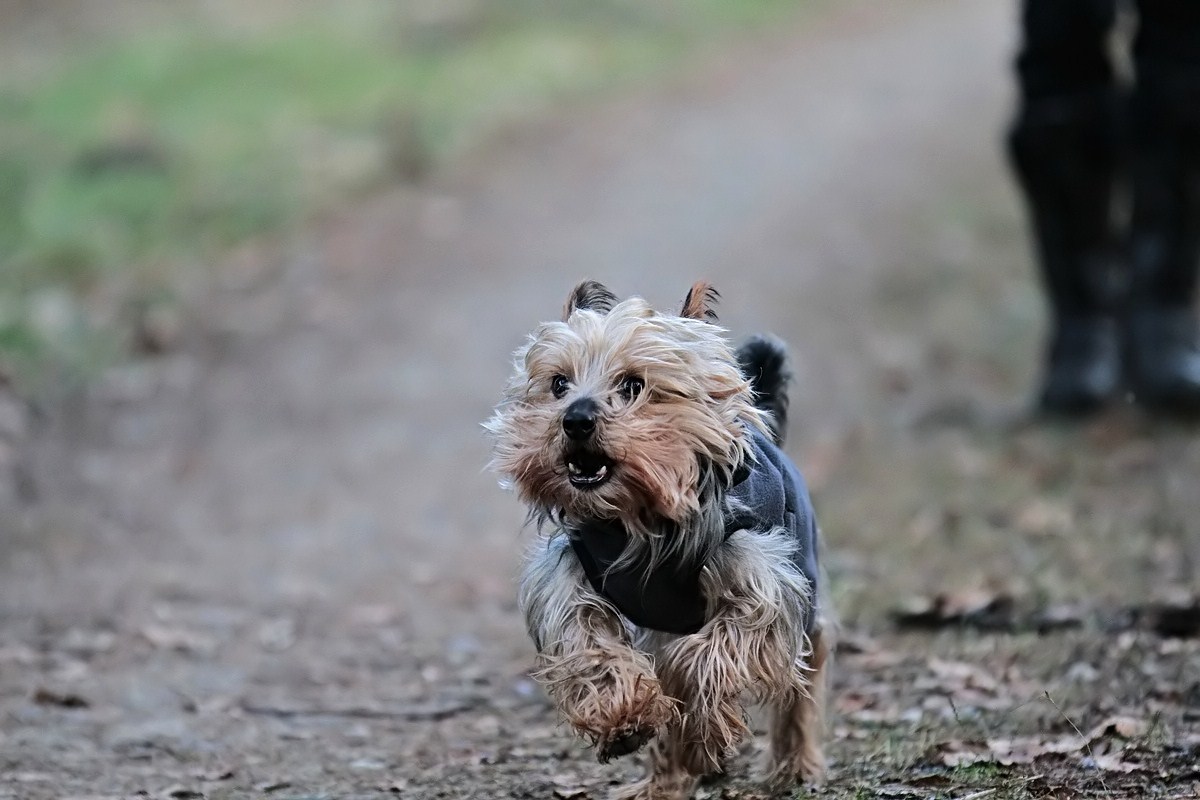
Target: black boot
<point x="1065" y="153"/>
<point x="1163" y="334"/>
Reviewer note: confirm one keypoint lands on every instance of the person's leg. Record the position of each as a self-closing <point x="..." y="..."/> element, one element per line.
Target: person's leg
<point x="1065" y="147"/>
<point x="1163" y="333"/>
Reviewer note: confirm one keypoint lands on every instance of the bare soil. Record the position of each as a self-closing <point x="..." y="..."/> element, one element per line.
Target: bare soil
<point x="270" y="564"/>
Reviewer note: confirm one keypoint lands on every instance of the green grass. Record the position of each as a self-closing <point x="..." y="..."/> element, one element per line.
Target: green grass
<point x="137" y="156"/>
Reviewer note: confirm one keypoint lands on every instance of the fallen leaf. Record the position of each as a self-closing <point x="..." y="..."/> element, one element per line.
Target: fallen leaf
<point x="569" y="792"/>
<point x="1110" y="763"/>
<point x="18" y="654"/>
<point x="277" y="635"/>
<point x="214" y="775"/>
<point x="982" y="793"/>
<point x="46" y="697"/>
<point x="374" y="616"/>
<point x="988" y="610"/>
<point x="1025" y="749"/>
<point x="1180" y="618"/>
<point x="1123" y="727"/>
<point x="272" y="786"/>
<point x="1057" y="618"/>
<point x="183" y="793"/>
<point x="851" y="701"/>
<point x="962" y="675"/>
<point x="1043" y="517"/>
<point x="856" y="643"/>
<point x="567" y="786"/>
<point x="957" y="753"/>
<point x="179" y="640"/>
<point x="1005" y="752"/>
<point x="898" y="791"/>
<point x="87" y="643"/>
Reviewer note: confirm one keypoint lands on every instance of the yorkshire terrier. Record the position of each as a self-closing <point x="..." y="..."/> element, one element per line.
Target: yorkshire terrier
<point x="679" y="574"/>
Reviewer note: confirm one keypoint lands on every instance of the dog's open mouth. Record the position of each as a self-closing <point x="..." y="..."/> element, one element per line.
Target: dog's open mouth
<point x="587" y="470"/>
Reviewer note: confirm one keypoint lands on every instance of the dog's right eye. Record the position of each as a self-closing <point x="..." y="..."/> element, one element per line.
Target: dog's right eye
<point x="559" y="385"/>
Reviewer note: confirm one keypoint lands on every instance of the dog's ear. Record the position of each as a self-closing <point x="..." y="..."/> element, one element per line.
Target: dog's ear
<point x="699" y="302"/>
<point x="592" y="295"/>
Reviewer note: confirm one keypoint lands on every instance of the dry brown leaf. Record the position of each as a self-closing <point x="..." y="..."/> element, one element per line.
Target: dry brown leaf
<point x="46" y="697"/>
<point x="957" y="753"/>
<point x="1122" y="727"/>
<point x="213" y="775"/>
<point x="1112" y="763"/>
<point x="963" y="675"/>
<point x="568" y="787"/>
<point x="1009" y="752"/>
<point x="18" y="654"/>
<point x="853" y="701"/>
<point x="1043" y="517"/>
<point x="898" y="791"/>
<point x="880" y="660"/>
<point x="926" y="524"/>
<point x="570" y="792"/>
<point x="184" y="641"/>
<point x="183" y="793"/>
<point x="272" y="786"/>
<point x="1178" y="617"/>
<point x="1025" y="749"/>
<point x="856" y="643"/>
<point x="977" y="608"/>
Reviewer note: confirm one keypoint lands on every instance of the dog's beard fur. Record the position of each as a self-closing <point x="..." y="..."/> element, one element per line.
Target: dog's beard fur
<point x="671" y="450"/>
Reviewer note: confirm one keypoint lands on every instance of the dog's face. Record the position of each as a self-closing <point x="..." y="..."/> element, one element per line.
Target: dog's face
<point x="619" y="412"/>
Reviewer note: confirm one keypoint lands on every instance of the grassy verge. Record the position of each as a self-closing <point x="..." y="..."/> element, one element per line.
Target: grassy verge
<point x="136" y="156"/>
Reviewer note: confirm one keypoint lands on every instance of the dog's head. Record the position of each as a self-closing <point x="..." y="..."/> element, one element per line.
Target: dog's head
<point x="620" y="412"/>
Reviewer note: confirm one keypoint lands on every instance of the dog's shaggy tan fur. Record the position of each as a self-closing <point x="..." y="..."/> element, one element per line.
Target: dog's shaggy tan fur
<point x="674" y="444"/>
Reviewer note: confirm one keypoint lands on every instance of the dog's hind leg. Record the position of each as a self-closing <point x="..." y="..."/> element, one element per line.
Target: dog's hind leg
<point x="604" y="688"/>
<point x="798" y="723"/>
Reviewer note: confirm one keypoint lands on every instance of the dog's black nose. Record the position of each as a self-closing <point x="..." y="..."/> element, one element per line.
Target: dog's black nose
<point x="579" y="423"/>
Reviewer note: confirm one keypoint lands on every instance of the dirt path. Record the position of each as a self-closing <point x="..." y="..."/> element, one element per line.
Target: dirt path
<point x="273" y="565"/>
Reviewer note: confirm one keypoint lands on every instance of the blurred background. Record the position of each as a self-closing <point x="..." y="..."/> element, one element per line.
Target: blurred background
<point x="142" y="140"/>
<point x="262" y="267"/>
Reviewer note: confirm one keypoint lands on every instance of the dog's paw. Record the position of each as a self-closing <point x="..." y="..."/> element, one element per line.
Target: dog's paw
<point x="635" y="712"/>
<point x="804" y="768"/>
<point x="615" y="703"/>
<point x="623" y="741"/>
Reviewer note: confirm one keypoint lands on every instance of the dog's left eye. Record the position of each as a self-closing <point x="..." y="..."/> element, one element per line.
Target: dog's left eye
<point x="631" y="387"/>
<point x="559" y="385"/>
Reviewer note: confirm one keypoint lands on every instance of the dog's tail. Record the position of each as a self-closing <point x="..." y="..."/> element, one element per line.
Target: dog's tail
<point x="764" y="362"/>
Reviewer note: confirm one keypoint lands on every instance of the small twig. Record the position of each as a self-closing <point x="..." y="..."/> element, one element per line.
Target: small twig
<point x="980" y="722"/>
<point x="954" y="708"/>
<point x="976" y="795"/>
<point x="1087" y="745"/>
<point x="432" y="711"/>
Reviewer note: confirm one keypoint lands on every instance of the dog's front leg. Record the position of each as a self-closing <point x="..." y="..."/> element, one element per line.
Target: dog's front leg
<point x="753" y="643"/>
<point x="603" y="687"/>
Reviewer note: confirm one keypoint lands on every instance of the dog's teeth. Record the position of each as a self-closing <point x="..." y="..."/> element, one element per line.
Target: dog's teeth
<point x="573" y="468"/>
<point x="600" y="473"/>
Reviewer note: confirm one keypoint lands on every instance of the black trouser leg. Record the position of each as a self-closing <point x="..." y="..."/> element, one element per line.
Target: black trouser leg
<point x="1163" y="340"/>
<point x="1065" y="148"/>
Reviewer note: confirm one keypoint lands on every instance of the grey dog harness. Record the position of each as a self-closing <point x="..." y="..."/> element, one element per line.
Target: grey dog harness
<point x="668" y="598"/>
